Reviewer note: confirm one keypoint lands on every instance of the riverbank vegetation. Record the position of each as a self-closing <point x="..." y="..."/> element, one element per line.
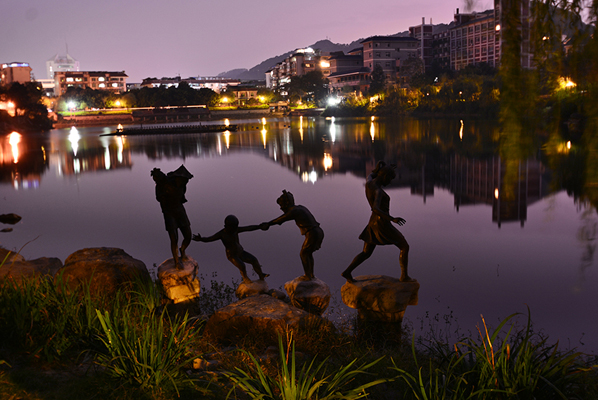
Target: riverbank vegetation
<point x="62" y="344"/>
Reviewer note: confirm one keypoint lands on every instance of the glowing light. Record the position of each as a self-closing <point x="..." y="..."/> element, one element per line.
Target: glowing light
<point x="74" y="139"/>
<point x="327" y="161"/>
<point x="496" y="193"/>
<point x="324" y="64"/>
<point x="117" y="103"/>
<point x="461" y="131"/>
<point x="226" y="122"/>
<point x="566" y="83"/>
<point x="497" y="28"/>
<point x="333" y="131"/>
<point x="569" y="145"/>
<point x="263" y="121"/>
<point x="372" y="130"/>
<point x="333" y="100"/>
<point x="119" y="128"/>
<point x="227" y="138"/>
<point x="224" y="100"/>
<point x="107" y="158"/>
<point x="262" y="98"/>
<point x="71" y="105"/>
<point x="264" y="136"/>
<point x="14" y="139"/>
<point x="373" y="118"/>
<point x="120" y="141"/>
<point x="301" y="127"/>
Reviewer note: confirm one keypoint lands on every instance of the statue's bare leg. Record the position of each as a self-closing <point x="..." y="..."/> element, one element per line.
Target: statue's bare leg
<point x="250" y="258"/>
<point x="367" y="251"/>
<point x="241" y="266"/>
<point x="404" y="261"/>
<point x="187" y="235"/>
<point x="307" y="259"/>
<point x="174" y="238"/>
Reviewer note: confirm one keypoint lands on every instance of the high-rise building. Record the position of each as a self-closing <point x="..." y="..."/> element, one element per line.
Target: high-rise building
<point x="14" y="72"/>
<point x="61" y="63"/>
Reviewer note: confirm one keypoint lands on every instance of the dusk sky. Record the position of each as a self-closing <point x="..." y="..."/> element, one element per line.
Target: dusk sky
<point x="154" y="38"/>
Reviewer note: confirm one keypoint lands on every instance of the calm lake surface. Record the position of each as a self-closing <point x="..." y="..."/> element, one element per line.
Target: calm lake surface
<point x="481" y="243"/>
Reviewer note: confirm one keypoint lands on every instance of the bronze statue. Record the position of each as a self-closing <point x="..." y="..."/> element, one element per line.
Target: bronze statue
<point x="170" y="192"/>
<point x="380" y="230"/>
<point x="308" y="226"/>
<point x="235" y="253"/>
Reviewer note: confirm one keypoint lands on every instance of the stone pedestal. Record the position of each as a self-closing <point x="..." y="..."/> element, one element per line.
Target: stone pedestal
<point x="179" y="285"/>
<point x="255" y="288"/>
<point x="310" y="295"/>
<point x="262" y="317"/>
<point x="380" y="298"/>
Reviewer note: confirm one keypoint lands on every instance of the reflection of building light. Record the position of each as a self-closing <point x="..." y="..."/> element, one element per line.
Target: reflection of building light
<point x="44" y="152"/>
<point x="569" y="145"/>
<point x="219" y="146"/>
<point x="332" y="130"/>
<point x="76" y="166"/>
<point x="226" y="122"/>
<point x="74" y="139"/>
<point x="119" y="128"/>
<point x="263" y="121"/>
<point x="301" y="127"/>
<point x="264" y="136"/>
<point x="121" y="145"/>
<point x="227" y="138"/>
<point x="327" y="161"/>
<point x="372" y="130"/>
<point x="496" y="193"/>
<point x="107" y="158"/>
<point x="313" y="176"/>
<point x="461" y="131"/>
<point x="14" y="139"/>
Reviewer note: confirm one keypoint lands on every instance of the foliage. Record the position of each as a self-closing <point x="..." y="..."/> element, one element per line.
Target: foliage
<point x="311" y="88"/>
<point x="31" y="114"/>
<point x="519" y="367"/>
<point x="217" y="296"/>
<point x="44" y="318"/>
<point x="146" y="349"/>
<point x="377" y="81"/>
<point x="312" y="381"/>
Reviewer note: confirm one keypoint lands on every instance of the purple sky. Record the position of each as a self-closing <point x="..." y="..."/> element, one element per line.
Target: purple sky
<point x="196" y="37"/>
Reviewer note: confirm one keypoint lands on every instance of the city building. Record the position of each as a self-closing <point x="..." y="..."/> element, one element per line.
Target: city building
<point x="301" y="62"/>
<point x="424" y="35"/>
<point x="14" y="72"/>
<point x="216" y="84"/>
<point x="242" y="94"/>
<point x="474" y="39"/>
<point x="61" y="63"/>
<point x="103" y="80"/>
<point x="388" y="52"/>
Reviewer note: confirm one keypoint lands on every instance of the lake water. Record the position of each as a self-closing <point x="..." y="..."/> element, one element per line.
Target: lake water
<point x="481" y="243"/>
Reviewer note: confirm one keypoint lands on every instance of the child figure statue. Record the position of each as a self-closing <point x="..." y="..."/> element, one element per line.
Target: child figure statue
<point x="235" y="253"/>
<point x="309" y="227"/>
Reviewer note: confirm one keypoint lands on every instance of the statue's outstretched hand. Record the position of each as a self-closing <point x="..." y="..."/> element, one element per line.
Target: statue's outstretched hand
<point x="399" y="221"/>
<point x="197" y="237"/>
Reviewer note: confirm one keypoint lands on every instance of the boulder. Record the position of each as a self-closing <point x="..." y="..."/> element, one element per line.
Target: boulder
<point x="380" y="297"/>
<point x="17" y="268"/>
<point x="253" y="288"/>
<point x="180" y="285"/>
<point x="310" y="295"/>
<point x="10" y="218"/>
<point x="262" y="316"/>
<point x="106" y="269"/>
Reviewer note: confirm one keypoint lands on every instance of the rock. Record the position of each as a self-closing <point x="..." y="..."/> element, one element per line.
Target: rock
<point x="106" y="269"/>
<point x="205" y="365"/>
<point x="6" y="230"/>
<point x="10" y="218"/>
<point x="9" y="256"/>
<point x="261" y="316"/>
<point x="180" y="285"/>
<point x="379" y="297"/>
<point x="18" y="268"/>
<point x="253" y="288"/>
<point x="310" y="295"/>
<point x="277" y="294"/>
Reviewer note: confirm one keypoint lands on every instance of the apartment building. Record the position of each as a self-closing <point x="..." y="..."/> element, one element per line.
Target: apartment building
<point x="14" y="72"/>
<point x="474" y="39"/>
<point x="103" y="80"/>
<point x="301" y="62"/>
<point x="424" y="35"/>
<point x="216" y="84"/>
<point x="61" y="63"/>
<point x="388" y="52"/>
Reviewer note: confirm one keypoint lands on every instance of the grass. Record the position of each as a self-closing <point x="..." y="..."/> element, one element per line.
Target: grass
<point x="62" y="344"/>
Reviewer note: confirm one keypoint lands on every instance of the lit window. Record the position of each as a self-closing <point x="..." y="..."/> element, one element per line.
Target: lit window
<point x="69" y="79"/>
<point x="115" y="85"/>
<point x="101" y="79"/>
<point x="102" y="85"/>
